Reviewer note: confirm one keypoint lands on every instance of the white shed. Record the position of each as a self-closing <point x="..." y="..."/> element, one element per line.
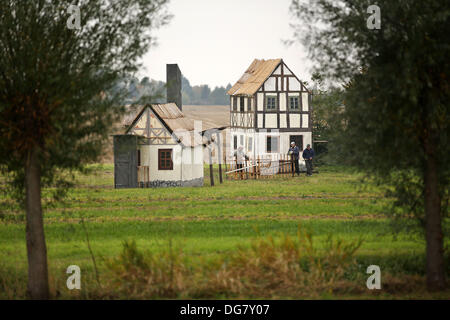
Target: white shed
<point x="170" y="150"/>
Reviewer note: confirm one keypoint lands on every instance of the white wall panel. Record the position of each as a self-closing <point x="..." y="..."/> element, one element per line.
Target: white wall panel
<point x="277" y="70"/>
<point x="282" y="101"/>
<point x="260" y="120"/>
<point x="269" y="85"/>
<point x="283" y="123"/>
<point x="305" y="103"/>
<point x="286" y="71"/>
<point x="294" y="84"/>
<point x="260" y="101"/>
<point x="271" y="121"/>
<point x="305" y="120"/>
<point x="294" y="120"/>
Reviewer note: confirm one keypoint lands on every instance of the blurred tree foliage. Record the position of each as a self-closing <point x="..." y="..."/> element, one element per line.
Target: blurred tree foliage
<point x="394" y="123"/>
<point x="58" y="95"/>
<point x="153" y="91"/>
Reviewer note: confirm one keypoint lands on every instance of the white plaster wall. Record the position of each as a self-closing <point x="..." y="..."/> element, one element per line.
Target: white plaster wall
<point x="277" y="70"/>
<point x="286" y="71"/>
<point x="269" y="85"/>
<point x="186" y="163"/>
<point x="283" y="122"/>
<point x="196" y="169"/>
<point x="294" y="84"/>
<point x="294" y="120"/>
<point x="260" y="120"/>
<point x="282" y="102"/>
<point x="307" y="138"/>
<point x="245" y="103"/>
<point x="305" y="104"/>
<point x="167" y="175"/>
<point x="271" y="120"/>
<point x="305" y="120"/>
<point x="260" y="101"/>
<point x="145" y="155"/>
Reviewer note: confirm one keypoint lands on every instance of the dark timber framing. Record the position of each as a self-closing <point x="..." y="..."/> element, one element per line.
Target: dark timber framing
<point x="248" y="119"/>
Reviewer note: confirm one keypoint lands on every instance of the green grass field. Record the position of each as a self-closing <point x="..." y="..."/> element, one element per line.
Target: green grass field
<point x="211" y="222"/>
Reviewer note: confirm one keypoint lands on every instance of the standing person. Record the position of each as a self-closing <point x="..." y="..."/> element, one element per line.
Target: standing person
<point x="294" y="152"/>
<point x="308" y="155"/>
<point x="241" y="157"/>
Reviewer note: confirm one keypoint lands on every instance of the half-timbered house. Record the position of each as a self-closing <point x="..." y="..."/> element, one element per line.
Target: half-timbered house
<point x="269" y="108"/>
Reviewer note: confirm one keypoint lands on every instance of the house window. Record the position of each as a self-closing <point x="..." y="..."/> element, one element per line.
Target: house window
<point x="250" y="144"/>
<point x="293" y="103"/>
<point x="272" y="145"/>
<point x="234" y="103"/>
<point x="249" y="104"/>
<point x="235" y="142"/>
<point x="242" y="104"/>
<point x="165" y="159"/>
<point x="242" y="140"/>
<point x="271" y="102"/>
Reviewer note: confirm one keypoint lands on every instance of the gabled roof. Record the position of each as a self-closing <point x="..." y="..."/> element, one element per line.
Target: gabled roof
<point x="254" y="77"/>
<point x="173" y="119"/>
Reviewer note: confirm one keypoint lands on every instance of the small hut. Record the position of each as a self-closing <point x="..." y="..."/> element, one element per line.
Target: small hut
<point x="160" y="147"/>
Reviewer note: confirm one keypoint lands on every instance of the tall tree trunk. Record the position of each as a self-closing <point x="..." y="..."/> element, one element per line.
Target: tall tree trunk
<point x="36" y="248"/>
<point x="434" y="236"/>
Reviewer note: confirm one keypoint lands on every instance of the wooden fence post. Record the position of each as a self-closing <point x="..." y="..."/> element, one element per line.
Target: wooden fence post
<point x="219" y="156"/>
<point x="211" y="170"/>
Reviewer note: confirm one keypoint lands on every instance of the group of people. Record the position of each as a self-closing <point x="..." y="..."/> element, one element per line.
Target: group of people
<point x="294" y="152"/>
<point x="308" y="155"/>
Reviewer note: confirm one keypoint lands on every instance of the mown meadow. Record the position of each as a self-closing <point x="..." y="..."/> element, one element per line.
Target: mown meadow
<point x="286" y="237"/>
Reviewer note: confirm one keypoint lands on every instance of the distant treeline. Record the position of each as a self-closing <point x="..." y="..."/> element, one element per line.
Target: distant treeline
<point x="153" y="91"/>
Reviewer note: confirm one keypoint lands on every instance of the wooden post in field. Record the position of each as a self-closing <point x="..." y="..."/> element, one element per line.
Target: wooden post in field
<point x="259" y="168"/>
<point x="246" y="172"/>
<point x="225" y="164"/>
<point x="219" y="156"/>
<point x="211" y="171"/>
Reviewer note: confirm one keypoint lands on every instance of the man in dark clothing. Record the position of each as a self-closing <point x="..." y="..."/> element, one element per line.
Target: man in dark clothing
<point x="308" y="155"/>
<point x="294" y="152"/>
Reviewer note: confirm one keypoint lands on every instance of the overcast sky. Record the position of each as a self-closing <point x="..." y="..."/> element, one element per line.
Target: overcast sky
<point x="214" y="41"/>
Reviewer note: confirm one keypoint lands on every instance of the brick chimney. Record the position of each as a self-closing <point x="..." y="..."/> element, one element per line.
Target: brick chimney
<point x="173" y="83"/>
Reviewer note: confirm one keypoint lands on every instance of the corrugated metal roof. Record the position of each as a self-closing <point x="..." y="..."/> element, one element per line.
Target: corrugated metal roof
<point x="254" y="77"/>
